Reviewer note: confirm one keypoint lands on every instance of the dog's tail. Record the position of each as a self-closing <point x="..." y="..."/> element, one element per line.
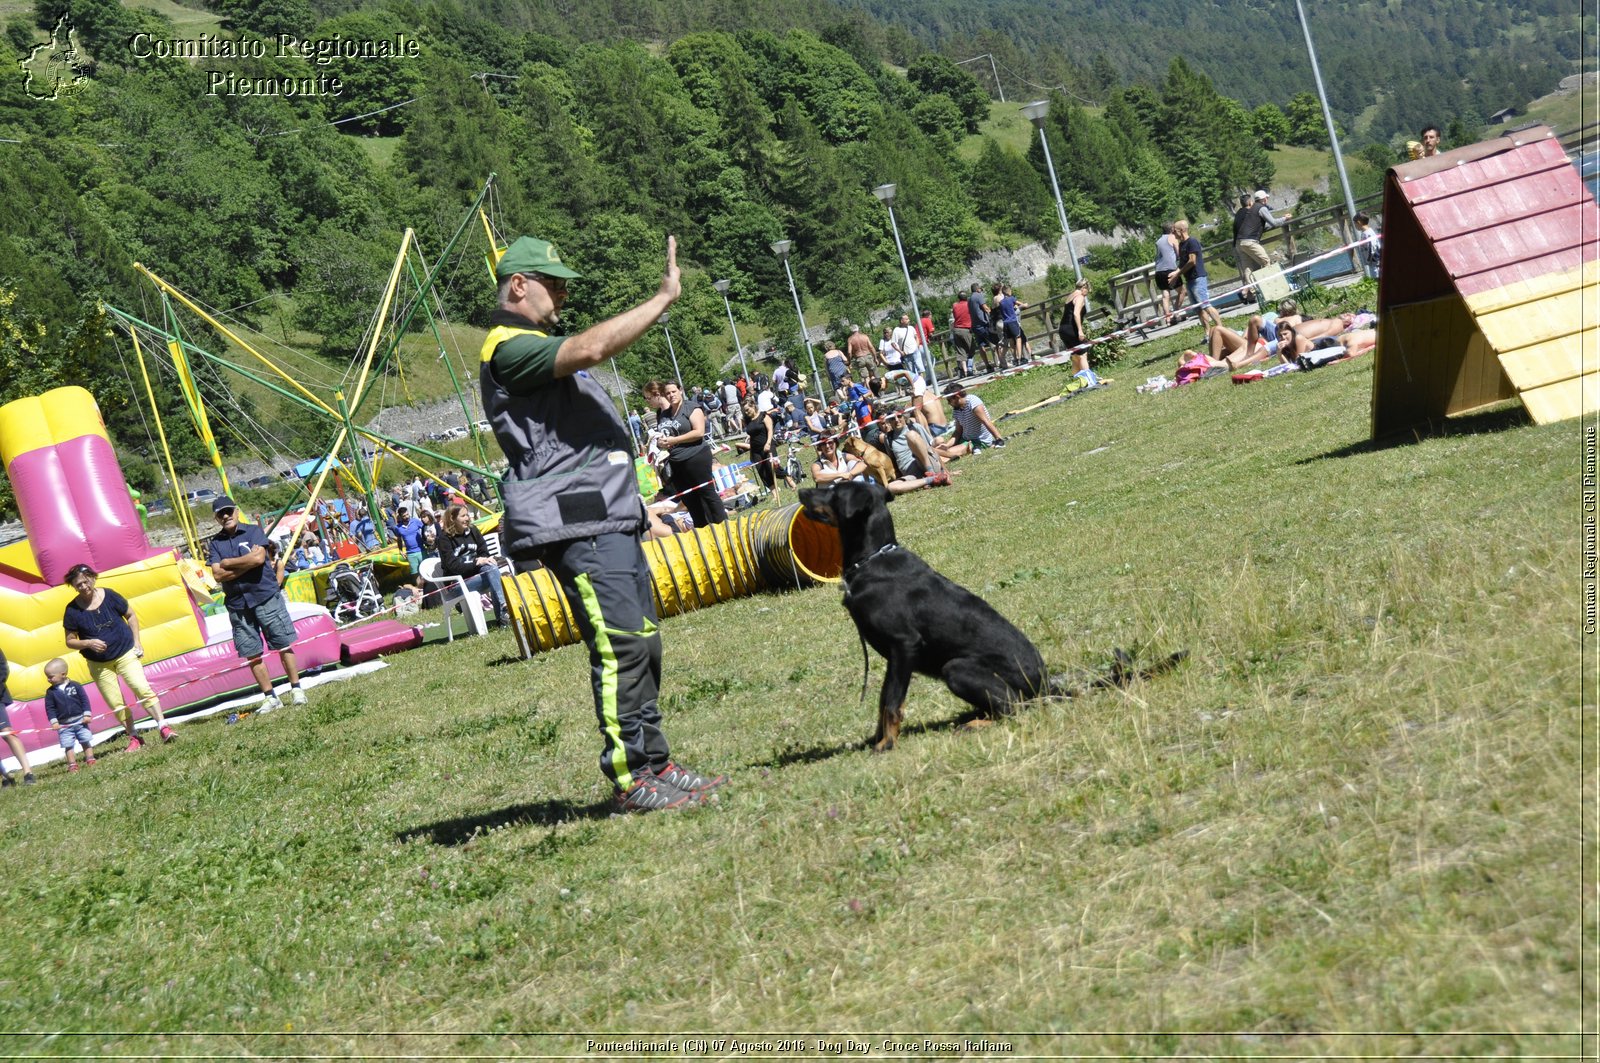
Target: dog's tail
<point x="1120" y="674"/>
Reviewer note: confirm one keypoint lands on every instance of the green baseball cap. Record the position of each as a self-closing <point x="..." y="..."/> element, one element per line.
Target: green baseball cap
<point x="528" y="254"/>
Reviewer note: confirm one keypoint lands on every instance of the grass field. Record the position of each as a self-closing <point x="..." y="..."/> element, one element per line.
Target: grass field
<point x="1300" y="167"/>
<point x="186" y="20"/>
<point x="1006" y="125"/>
<point x="381" y="149"/>
<point x="1566" y="112"/>
<point x="1352" y="824"/>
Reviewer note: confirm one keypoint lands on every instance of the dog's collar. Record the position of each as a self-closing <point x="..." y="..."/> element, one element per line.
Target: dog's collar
<point x="884" y="549"/>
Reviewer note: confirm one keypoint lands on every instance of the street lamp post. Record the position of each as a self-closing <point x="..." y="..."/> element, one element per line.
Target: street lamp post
<point x="722" y="286"/>
<point x="1035" y="112"/>
<point x="781" y="249"/>
<point x="886" y="193"/>
<point x="676" y="372"/>
<point x="1327" y="115"/>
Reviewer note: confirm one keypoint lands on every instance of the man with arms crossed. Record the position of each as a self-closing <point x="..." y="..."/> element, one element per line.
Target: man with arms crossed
<point x="256" y="607"/>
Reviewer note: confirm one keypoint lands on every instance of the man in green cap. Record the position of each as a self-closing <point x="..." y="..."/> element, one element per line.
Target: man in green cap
<point x="572" y="502"/>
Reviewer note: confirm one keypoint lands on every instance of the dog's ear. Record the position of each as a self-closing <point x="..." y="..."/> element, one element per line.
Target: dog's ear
<point x="881" y="493"/>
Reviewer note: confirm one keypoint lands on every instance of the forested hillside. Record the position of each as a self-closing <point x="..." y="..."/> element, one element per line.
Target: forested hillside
<point x="731" y="123"/>
<point x="1414" y="61"/>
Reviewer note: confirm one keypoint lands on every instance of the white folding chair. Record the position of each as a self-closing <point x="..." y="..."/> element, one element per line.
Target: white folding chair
<point x="453" y="595"/>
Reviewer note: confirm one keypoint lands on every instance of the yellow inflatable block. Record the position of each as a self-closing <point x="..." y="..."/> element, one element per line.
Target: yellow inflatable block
<point x="18" y="558"/>
<point x="31" y="632"/>
<point x="44" y="420"/>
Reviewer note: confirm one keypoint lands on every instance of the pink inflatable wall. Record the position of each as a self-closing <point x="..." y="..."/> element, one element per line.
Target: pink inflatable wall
<point x="75" y="506"/>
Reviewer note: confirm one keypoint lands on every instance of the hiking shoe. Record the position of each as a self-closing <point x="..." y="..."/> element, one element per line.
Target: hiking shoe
<point x="651" y="794"/>
<point x="297" y="696"/>
<point x="28" y="779"/>
<point x="7" y="780"/>
<point x="167" y="735"/>
<point x="134" y="745"/>
<point x="269" y="703"/>
<point x="688" y="780"/>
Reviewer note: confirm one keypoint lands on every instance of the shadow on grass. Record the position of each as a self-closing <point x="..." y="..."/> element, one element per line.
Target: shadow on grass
<point x="1065" y="686"/>
<point x="1502" y="419"/>
<point x="462" y="829"/>
<point x="817" y="753"/>
<point x="1164" y="356"/>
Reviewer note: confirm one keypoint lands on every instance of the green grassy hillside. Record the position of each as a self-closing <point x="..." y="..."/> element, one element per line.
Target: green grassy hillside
<point x="1565" y="112"/>
<point x="1352" y="810"/>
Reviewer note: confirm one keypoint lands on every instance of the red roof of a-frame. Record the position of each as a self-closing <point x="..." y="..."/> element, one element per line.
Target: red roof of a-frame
<point x="1491" y="284"/>
<point x="1515" y="215"/>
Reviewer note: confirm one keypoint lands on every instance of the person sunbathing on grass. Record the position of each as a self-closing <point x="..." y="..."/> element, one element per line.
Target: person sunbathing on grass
<point x="1296" y="342"/>
<point x="1231" y="350"/>
<point x="1259" y="342"/>
<point x="1263" y="337"/>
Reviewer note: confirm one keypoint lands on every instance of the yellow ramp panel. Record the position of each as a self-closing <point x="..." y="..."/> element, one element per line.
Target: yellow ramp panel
<point x="1544" y="331"/>
<point x="1563" y="399"/>
<point x="1519" y="293"/>
<point x="1552" y="361"/>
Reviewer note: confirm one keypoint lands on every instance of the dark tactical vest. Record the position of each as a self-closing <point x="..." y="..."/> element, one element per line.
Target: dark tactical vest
<point x="571" y="472"/>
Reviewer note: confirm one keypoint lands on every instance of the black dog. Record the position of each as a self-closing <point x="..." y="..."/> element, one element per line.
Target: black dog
<point x="919" y="621"/>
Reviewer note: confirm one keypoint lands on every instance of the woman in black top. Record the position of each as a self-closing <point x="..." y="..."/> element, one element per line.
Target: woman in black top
<point x="758" y="429"/>
<point x="463" y="552"/>
<point x="681" y="432"/>
<point x="1072" y="325"/>
<point x="101" y="625"/>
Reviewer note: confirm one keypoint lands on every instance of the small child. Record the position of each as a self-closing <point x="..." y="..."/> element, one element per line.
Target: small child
<point x="1371" y="245"/>
<point x="67" y="706"/>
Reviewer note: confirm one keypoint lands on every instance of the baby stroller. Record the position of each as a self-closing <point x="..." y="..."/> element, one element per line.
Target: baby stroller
<point x="352" y="593"/>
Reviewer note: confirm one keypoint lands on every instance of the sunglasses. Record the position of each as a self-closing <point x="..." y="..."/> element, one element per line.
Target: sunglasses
<point x="223" y="514"/>
<point x="553" y="285"/>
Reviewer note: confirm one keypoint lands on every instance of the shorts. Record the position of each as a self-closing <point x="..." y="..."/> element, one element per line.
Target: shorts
<point x="5" y="720"/>
<point x="1199" y="290"/>
<point x="271" y="618"/>
<point x="962" y="338"/>
<point x="75" y="734"/>
<point x="1013" y="330"/>
<point x="1163" y="281"/>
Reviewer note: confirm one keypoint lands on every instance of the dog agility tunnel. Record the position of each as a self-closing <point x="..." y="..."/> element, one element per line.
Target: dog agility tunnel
<point x="770" y="549"/>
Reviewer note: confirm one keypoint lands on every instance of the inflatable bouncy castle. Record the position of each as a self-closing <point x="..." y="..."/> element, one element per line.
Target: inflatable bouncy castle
<point x="75" y="508"/>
